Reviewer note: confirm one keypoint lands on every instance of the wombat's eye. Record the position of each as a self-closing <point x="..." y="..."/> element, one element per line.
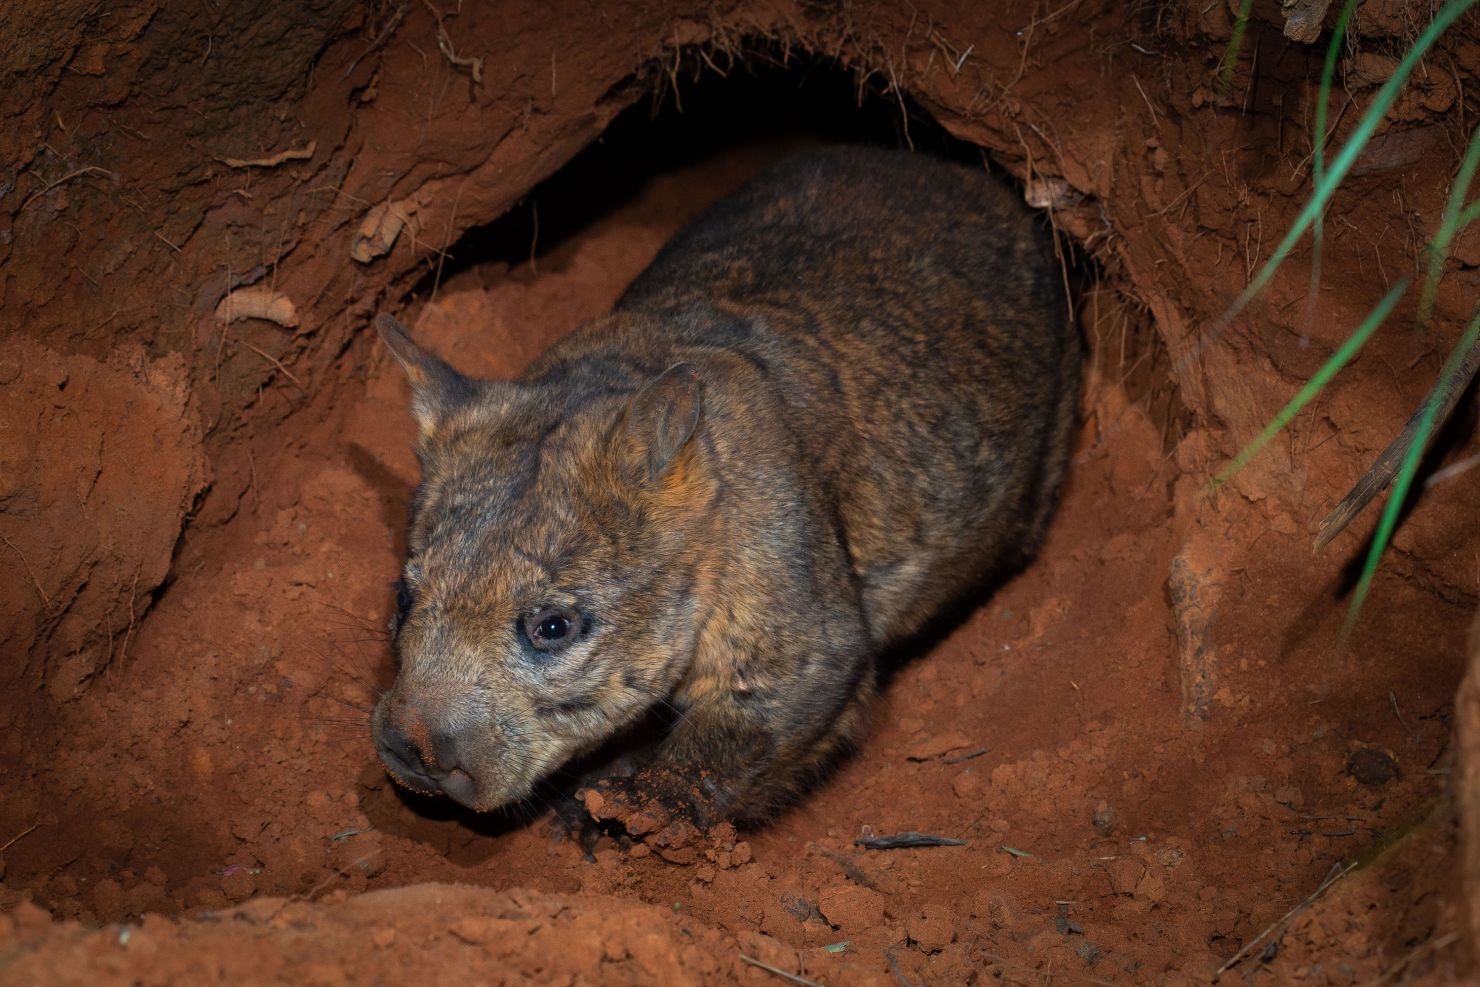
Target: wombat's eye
<point x="552" y="628"/>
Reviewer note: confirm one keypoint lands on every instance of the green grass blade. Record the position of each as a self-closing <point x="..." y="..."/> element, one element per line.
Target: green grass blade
<point x="1404" y="479"/>
<point x="1339" y="359"/>
<point x="1235" y="42"/>
<point x="1318" y="153"/>
<point x="1324" y="189"/>
<point x="1449" y="227"/>
<point x="1323" y="95"/>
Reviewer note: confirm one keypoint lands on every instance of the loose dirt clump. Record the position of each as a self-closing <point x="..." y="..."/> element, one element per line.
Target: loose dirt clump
<point x="1154" y="755"/>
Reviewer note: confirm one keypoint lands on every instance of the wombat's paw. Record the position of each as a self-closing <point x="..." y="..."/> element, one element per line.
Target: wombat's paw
<point x="656" y="808"/>
<point x="574" y="823"/>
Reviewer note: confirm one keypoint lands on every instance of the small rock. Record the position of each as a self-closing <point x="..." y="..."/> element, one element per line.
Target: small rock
<point x="681" y="855"/>
<point x="238" y="883"/>
<point x="932" y="930"/>
<point x="1371" y="766"/>
<point x="1152" y="886"/>
<point x="798" y="907"/>
<point x="851" y="908"/>
<point x="997" y="908"/>
<point x="967" y="785"/>
<point x="722" y="836"/>
<point x="1105" y="818"/>
<point x="1125" y="873"/>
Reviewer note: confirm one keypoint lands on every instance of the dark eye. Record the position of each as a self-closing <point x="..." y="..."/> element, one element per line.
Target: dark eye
<point x="552" y="628"/>
<point x="405" y="599"/>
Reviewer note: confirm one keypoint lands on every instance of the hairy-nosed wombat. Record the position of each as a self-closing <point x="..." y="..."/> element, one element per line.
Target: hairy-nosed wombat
<point x="835" y="401"/>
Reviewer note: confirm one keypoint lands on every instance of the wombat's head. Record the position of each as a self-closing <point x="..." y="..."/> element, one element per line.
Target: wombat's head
<point x="548" y="598"/>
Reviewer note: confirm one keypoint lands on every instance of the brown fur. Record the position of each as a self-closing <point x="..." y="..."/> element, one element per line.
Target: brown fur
<point x="833" y="403"/>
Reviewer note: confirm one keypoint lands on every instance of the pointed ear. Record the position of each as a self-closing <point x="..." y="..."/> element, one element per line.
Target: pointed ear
<point x="658" y="423"/>
<point x="436" y="388"/>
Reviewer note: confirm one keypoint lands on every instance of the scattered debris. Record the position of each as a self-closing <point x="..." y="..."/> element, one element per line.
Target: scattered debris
<point x="1337" y="872"/>
<point x="967" y="756"/>
<point x="776" y="971"/>
<point x="379" y="230"/>
<point x="1105" y="818"/>
<point x="904" y="841"/>
<point x="851" y="870"/>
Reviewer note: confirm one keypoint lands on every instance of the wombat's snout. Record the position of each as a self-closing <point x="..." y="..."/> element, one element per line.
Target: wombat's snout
<point x="422" y="753"/>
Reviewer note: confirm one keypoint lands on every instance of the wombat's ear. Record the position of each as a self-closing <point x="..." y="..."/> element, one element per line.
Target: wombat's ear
<point x="659" y="421"/>
<point x="436" y="388"/>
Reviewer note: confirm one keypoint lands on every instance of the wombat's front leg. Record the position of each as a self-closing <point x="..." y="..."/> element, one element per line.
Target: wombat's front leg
<point x="737" y="754"/>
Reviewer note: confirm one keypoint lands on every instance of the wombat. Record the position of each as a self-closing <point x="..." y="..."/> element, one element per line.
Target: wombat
<point x="836" y="401"/>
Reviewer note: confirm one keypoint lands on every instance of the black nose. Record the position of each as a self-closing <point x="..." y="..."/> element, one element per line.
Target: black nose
<point x="429" y="771"/>
<point x="403" y="758"/>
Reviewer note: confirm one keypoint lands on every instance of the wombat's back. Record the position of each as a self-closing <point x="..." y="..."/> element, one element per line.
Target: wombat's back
<point x="911" y="316"/>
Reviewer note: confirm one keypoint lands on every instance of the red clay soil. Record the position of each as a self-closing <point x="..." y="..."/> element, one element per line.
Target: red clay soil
<point x="1150" y="740"/>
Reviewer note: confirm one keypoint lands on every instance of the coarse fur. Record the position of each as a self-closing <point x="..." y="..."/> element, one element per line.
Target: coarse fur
<point x="835" y="401"/>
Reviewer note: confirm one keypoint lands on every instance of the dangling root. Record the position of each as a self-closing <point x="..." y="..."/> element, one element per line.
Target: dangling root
<point x="1381" y="472"/>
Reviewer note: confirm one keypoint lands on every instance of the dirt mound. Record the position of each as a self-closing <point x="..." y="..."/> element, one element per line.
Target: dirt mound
<point x="464" y="934"/>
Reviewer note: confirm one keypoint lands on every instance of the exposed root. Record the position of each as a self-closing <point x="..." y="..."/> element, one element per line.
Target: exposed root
<point x="1337" y="872"/>
<point x="1381" y="472"/>
<point x="89" y="170"/>
<point x="45" y="600"/>
<point x="12" y="841"/>
<point x="282" y="369"/>
<point x="272" y="161"/>
<point x="444" y="43"/>
<point x="258" y="303"/>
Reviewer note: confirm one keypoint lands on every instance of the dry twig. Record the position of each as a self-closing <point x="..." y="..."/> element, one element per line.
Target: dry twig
<point x="777" y="971"/>
<point x="1445" y="395"/>
<point x="275" y="362"/>
<point x="89" y="170"/>
<point x="25" y="832"/>
<point x="29" y="571"/>
<point x="1337" y="872"/>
